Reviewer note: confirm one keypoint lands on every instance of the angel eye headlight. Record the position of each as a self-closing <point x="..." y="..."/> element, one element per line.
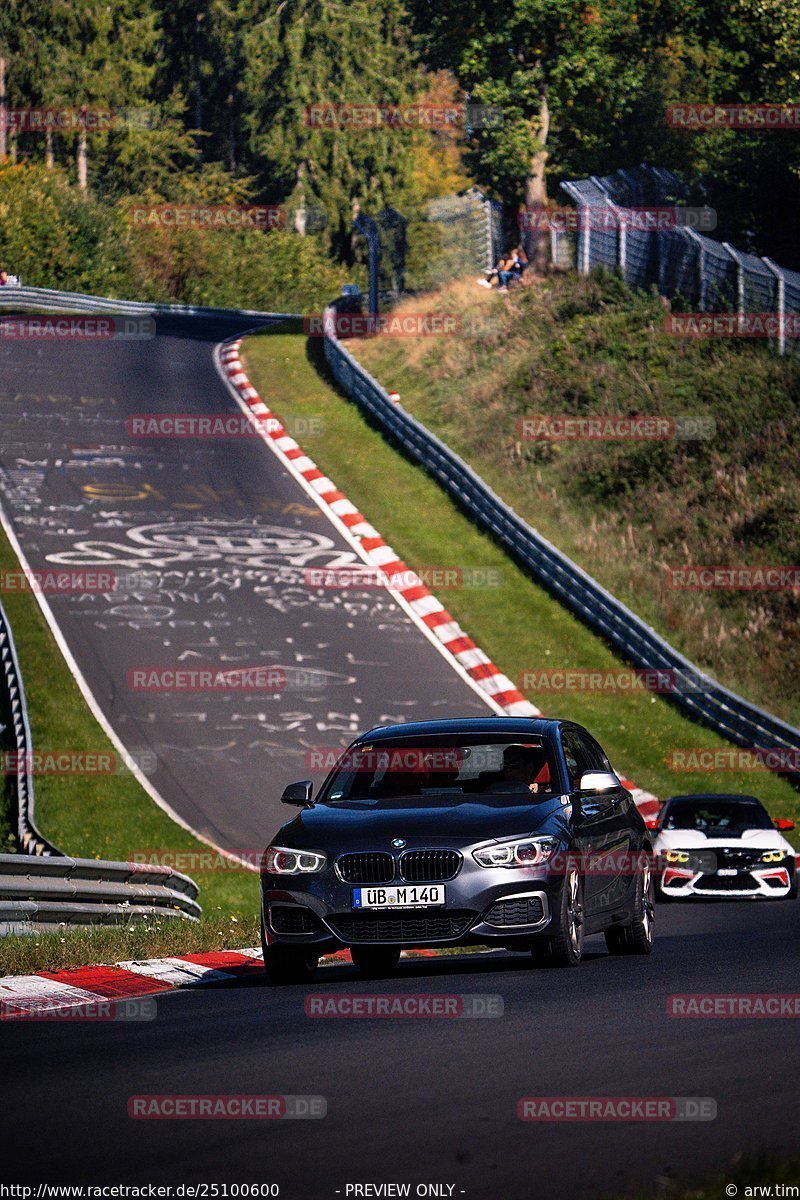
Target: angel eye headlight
<point x="281" y="861"/>
<point x="676" y="856"/>
<point x="525" y="852"/>
<point x="773" y="856"/>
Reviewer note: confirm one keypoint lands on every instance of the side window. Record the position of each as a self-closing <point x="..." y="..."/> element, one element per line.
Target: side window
<point x="582" y="754"/>
<point x="599" y="754"/>
<point x="573" y="753"/>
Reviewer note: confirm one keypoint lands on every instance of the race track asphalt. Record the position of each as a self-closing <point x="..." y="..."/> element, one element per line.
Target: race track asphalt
<point x="431" y="1100"/>
<point x="209" y="542"/>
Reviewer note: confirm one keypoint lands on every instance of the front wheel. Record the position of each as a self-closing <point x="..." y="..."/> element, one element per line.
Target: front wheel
<point x="636" y="938"/>
<point x="375" y="962"/>
<point x="289" y="964"/>
<point x="564" y="948"/>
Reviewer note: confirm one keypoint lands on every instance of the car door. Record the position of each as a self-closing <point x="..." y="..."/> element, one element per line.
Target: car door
<point x="601" y="825"/>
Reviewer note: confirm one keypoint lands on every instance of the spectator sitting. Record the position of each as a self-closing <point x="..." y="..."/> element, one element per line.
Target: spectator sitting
<point x="493" y="274"/>
<point x="508" y="270"/>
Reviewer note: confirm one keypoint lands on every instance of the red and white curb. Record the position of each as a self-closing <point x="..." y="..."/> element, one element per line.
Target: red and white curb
<point x="86" y="988"/>
<point x="424" y="608"/>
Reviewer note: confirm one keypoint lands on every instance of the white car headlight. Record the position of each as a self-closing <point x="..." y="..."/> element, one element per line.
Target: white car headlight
<point x="677" y="856"/>
<point x="280" y="861"/>
<point x="525" y="852"/>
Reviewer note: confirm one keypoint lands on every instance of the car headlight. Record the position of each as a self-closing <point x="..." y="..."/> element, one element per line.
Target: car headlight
<point x="280" y="861"/>
<point x="773" y="856"/>
<point x="677" y="856"/>
<point x="526" y="852"/>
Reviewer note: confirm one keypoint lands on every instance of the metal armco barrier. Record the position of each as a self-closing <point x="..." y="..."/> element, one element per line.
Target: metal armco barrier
<point x="16" y="737"/>
<point x="41" y="888"/>
<point x="45" y="893"/>
<point x="16" y="297"/>
<point x="695" y="692"/>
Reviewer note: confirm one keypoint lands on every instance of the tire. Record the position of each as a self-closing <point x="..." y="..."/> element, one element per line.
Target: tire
<point x="564" y="947"/>
<point x="375" y="962"/>
<point x="636" y="938"/>
<point x="288" y="964"/>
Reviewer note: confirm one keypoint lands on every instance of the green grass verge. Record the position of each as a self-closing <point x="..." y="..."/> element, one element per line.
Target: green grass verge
<point x="518" y="624"/>
<point x="104" y="816"/>
<point x="159" y="938"/>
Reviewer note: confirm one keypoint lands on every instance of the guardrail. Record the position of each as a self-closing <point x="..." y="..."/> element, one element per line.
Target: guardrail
<point x="42" y="888"/>
<point x="695" y="692"/>
<point x="45" y="893"/>
<point x="15" y="297"/>
<point x="15" y="716"/>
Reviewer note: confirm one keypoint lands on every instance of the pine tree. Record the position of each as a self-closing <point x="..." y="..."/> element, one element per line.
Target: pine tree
<point x="307" y="53"/>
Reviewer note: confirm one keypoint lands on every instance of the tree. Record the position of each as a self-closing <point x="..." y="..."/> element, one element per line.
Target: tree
<point x="307" y="53"/>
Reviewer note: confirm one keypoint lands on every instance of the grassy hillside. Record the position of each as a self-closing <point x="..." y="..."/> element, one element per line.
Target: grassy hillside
<point x="627" y="511"/>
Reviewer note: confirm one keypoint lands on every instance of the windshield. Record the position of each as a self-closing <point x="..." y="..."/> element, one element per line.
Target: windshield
<point x="714" y="817"/>
<point x="423" y="770"/>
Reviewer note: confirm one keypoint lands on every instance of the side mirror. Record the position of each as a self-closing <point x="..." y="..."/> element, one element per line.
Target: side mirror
<point x="783" y="824"/>
<point x="298" y="793"/>
<point x="597" y="782"/>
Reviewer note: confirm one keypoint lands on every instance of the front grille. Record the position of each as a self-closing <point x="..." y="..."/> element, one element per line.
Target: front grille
<point x="395" y="927"/>
<point x="293" y="918"/>
<point x="726" y="883"/>
<point x="370" y="866"/>
<point x="429" y="866"/>
<point x="737" y="858"/>
<point x="523" y="910"/>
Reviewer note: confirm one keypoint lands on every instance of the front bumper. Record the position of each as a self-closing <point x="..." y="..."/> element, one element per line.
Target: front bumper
<point x="748" y="883"/>
<point x="483" y="906"/>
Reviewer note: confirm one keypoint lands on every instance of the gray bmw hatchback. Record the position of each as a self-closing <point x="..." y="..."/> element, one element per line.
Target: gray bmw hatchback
<point x="498" y="831"/>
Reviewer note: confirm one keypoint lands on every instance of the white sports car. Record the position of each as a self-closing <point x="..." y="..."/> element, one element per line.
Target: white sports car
<point x="724" y="846"/>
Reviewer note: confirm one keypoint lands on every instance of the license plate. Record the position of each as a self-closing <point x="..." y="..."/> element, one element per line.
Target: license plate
<point x="727" y="871"/>
<point x="411" y="896"/>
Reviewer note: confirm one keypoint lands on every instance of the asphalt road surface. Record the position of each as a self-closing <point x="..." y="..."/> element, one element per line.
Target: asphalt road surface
<point x="208" y="542"/>
<point x="431" y="1100"/>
